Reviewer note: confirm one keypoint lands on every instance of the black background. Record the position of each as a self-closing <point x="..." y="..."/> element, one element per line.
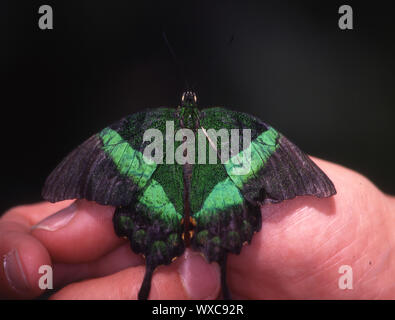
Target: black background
<point x="287" y="62"/>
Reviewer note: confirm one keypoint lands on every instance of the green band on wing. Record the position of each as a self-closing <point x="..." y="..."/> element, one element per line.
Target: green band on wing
<point x="223" y="196"/>
<point x="252" y="159"/>
<point x="128" y="161"/>
<point x="158" y="205"/>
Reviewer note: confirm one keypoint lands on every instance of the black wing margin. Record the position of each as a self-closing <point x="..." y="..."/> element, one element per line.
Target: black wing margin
<point x="288" y="173"/>
<point x="88" y="173"/>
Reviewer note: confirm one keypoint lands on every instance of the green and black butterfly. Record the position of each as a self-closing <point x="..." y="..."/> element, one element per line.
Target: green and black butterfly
<point x="162" y="208"/>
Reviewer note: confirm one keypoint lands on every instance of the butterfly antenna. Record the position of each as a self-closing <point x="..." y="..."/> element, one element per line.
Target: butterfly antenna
<point x="175" y="60"/>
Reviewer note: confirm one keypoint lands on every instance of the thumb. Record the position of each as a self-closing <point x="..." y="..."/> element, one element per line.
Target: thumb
<point x="200" y="279"/>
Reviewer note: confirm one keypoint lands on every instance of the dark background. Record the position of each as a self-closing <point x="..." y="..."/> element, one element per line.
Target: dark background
<point x="330" y="91"/>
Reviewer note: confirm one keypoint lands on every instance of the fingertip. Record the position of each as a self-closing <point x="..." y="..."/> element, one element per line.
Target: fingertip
<point x="82" y="232"/>
<point x="201" y="280"/>
<point x="30" y="214"/>
<point x="22" y="256"/>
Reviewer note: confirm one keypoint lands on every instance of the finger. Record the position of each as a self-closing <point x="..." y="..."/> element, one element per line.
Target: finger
<point x="31" y="214"/>
<point x="80" y="233"/>
<point x="189" y="277"/>
<point x="303" y="242"/>
<point x="22" y="256"/>
<point x="117" y="260"/>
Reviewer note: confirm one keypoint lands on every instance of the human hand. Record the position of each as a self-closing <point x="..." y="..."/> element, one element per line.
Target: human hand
<point x="296" y="255"/>
<point x="89" y="261"/>
<point x="303" y="243"/>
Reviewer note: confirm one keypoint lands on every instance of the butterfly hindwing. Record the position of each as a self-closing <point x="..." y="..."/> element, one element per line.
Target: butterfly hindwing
<point x="153" y="223"/>
<point x="224" y="219"/>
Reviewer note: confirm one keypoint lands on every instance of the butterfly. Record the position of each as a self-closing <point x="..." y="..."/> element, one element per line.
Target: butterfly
<point x="169" y="194"/>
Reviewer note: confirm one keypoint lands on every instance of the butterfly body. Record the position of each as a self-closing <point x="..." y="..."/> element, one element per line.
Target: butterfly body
<point x="187" y="199"/>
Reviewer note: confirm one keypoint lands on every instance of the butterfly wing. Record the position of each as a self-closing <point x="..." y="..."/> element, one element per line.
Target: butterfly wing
<point x="225" y="200"/>
<point x="109" y="167"/>
<point x="277" y="169"/>
<point x="153" y="222"/>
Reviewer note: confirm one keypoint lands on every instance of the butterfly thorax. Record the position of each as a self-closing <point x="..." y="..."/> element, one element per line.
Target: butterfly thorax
<point x="188" y="117"/>
<point x="188" y="112"/>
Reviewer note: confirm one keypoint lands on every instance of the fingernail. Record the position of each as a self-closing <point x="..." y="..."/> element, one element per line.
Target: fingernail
<point x="200" y="279"/>
<point x="13" y="271"/>
<point x="57" y="220"/>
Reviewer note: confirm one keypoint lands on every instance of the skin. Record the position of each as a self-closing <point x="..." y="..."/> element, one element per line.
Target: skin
<point x="296" y="255"/>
